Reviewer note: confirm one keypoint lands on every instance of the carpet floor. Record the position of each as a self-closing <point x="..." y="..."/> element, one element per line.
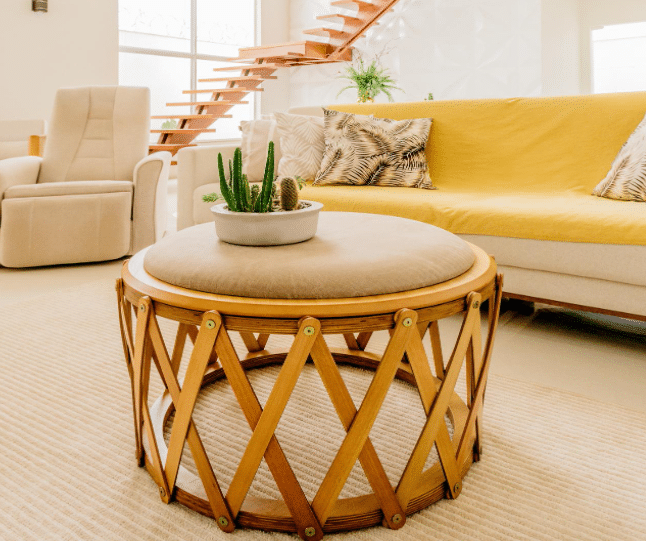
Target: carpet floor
<point x="555" y="466"/>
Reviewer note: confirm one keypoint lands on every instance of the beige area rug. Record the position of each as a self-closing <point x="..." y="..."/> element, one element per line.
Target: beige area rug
<point x="556" y="466"/>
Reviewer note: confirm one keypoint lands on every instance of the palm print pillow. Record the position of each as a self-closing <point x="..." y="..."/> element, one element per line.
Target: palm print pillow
<point x="626" y="179"/>
<point x="366" y="151"/>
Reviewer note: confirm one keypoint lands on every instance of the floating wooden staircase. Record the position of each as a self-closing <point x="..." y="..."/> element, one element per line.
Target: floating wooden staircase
<point x="258" y="64"/>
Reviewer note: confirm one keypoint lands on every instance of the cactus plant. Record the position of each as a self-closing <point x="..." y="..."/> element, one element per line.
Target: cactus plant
<point x="237" y="193"/>
<point x="288" y="194"/>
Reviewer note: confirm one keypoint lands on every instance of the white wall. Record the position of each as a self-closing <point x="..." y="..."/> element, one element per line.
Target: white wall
<point x="75" y="43"/>
<point x="452" y="48"/>
<point x="275" y="28"/>
<point x="593" y="14"/>
<point x="560" y="55"/>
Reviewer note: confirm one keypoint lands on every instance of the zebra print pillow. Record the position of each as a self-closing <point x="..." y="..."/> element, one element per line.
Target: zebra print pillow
<point x="361" y="150"/>
<point x="626" y="179"/>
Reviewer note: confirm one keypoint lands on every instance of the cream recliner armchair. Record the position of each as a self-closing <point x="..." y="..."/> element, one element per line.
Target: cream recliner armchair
<point x="95" y="195"/>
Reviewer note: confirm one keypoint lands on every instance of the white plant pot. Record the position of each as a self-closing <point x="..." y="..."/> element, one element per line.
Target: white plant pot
<point x="266" y="228"/>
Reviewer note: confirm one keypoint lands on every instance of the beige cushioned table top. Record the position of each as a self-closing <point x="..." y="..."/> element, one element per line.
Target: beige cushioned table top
<point x="352" y="255"/>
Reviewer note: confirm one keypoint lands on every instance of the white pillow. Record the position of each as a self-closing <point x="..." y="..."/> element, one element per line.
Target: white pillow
<point x="626" y="179"/>
<point x="302" y="144"/>
<point x="256" y="135"/>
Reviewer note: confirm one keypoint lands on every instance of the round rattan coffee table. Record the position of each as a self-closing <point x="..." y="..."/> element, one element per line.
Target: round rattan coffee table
<point x="229" y="300"/>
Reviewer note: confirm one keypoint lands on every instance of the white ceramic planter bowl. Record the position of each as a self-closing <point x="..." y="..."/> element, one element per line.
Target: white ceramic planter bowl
<point x="267" y="228"/>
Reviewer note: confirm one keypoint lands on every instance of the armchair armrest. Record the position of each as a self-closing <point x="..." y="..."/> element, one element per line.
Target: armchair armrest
<point x="78" y="187"/>
<point x="197" y="166"/>
<point x="149" y="209"/>
<point x="18" y="171"/>
<point x="37" y="145"/>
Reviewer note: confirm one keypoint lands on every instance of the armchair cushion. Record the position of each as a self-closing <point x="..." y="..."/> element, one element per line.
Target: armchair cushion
<point x="69" y="188"/>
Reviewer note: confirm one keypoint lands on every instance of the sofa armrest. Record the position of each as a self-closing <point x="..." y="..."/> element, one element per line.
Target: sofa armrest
<point x="18" y="171"/>
<point x="197" y="166"/>
<point x="150" y="181"/>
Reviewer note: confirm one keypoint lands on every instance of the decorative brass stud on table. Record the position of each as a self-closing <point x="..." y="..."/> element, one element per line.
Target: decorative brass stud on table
<point x="39" y="6"/>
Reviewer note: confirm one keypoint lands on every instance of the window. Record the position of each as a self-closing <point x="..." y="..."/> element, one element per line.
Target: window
<point x="619" y="58"/>
<point x="167" y="45"/>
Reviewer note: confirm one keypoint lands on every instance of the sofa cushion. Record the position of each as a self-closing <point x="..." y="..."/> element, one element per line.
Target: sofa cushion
<point x="626" y="179"/>
<point x="566" y="217"/>
<point x="361" y="150"/>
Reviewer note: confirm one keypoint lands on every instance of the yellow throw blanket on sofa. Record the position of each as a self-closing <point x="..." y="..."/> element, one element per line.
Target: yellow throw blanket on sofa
<point x="522" y="167"/>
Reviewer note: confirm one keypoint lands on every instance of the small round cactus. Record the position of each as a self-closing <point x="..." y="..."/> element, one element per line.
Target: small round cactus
<point x="288" y="193"/>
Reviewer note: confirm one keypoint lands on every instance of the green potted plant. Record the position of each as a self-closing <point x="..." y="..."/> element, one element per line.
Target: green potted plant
<point x="254" y="215"/>
<point x="369" y="80"/>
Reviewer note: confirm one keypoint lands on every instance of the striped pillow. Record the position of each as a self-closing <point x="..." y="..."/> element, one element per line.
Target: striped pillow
<point x="301" y="143"/>
<point x="626" y="179"/>
<point x="361" y="150"/>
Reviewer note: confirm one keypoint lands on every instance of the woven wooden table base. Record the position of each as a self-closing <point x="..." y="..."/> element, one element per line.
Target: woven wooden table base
<point x="213" y="357"/>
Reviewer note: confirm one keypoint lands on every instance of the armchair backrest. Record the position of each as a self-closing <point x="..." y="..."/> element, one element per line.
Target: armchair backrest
<point x="96" y="133"/>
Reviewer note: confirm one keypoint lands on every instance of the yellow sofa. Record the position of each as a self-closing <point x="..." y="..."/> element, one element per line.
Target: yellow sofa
<point x="514" y="176"/>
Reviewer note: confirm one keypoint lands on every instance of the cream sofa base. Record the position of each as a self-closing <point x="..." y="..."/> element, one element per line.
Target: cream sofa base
<point x="576" y="292"/>
<point x="621" y="263"/>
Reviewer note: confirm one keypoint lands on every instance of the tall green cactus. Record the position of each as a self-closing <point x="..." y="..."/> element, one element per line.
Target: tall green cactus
<point x="238" y="194"/>
<point x="268" y="181"/>
<point x="225" y="189"/>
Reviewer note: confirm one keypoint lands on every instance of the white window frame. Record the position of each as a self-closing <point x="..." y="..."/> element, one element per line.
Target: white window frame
<point x="194" y="56"/>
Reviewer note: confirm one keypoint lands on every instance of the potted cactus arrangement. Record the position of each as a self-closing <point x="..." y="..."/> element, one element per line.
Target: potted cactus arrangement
<point x="261" y="215"/>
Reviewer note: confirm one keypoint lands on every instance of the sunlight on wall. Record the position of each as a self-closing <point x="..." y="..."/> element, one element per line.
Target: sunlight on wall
<point x="619" y="58"/>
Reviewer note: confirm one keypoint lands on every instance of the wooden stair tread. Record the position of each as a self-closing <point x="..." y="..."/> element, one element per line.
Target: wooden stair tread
<point x="251" y="67"/>
<point x="237" y="79"/>
<point x="209" y="103"/>
<point x="235" y="90"/>
<point x="308" y="49"/>
<point x="332" y="32"/>
<point x="191" y="117"/>
<point x="170" y="146"/>
<point x="347" y="18"/>
<point x="359" y="3"/>
<point x="184" y="130"/>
